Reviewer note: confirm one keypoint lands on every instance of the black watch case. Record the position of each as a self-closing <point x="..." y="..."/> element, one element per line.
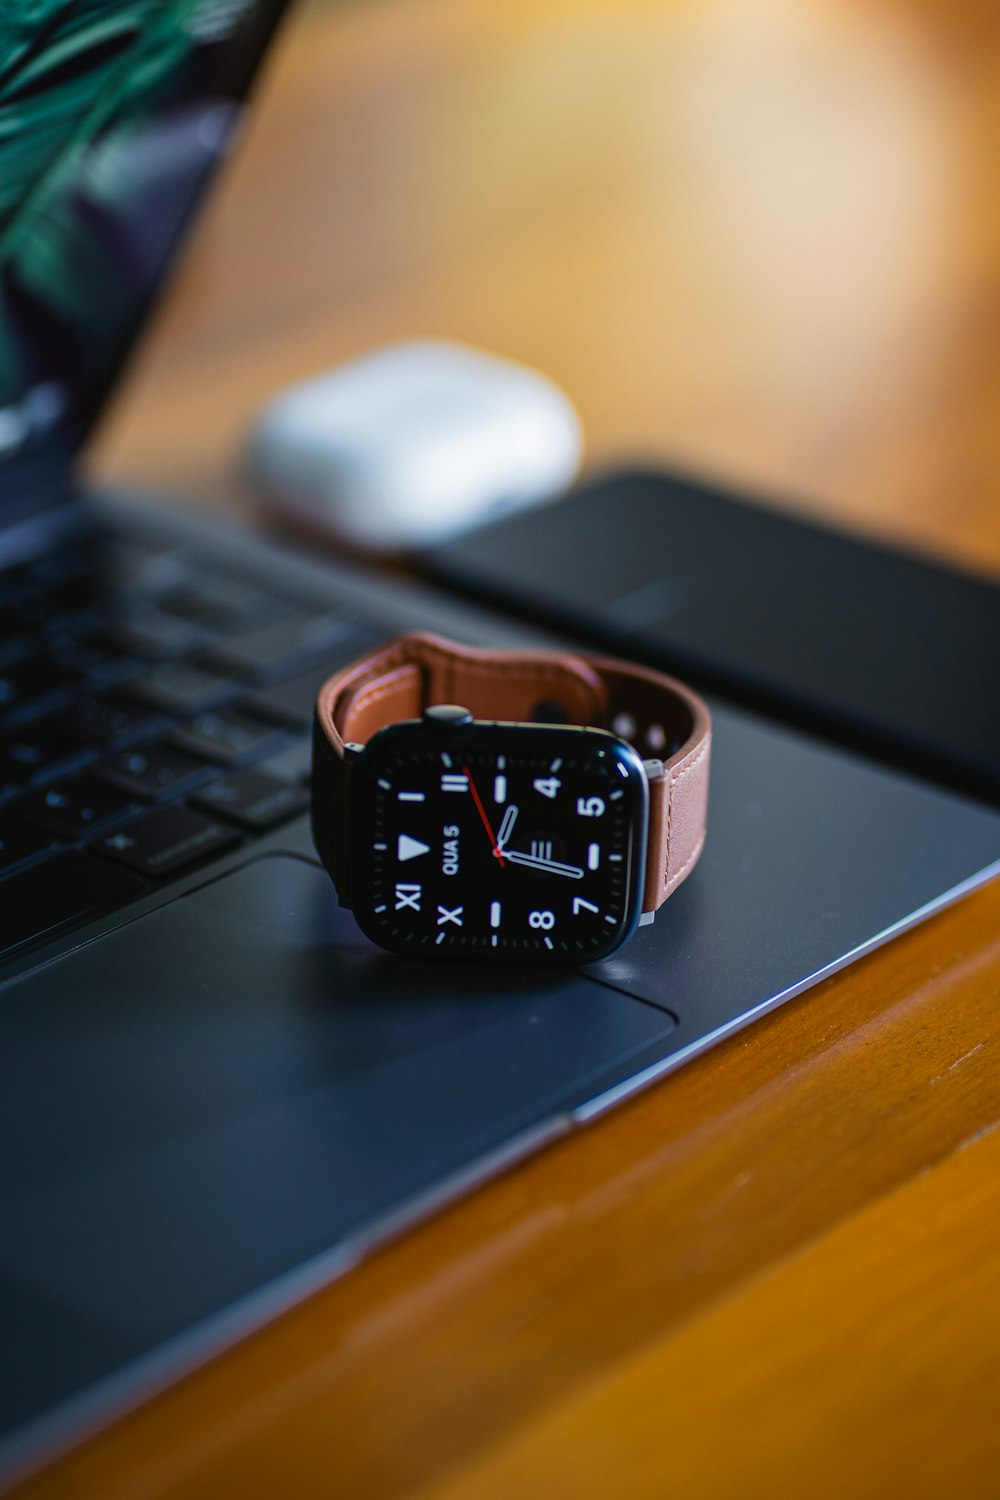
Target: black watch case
<point x="474" y="839"/>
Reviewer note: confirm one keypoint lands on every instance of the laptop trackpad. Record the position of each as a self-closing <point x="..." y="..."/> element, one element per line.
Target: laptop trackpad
<point x="238" y="1080"/>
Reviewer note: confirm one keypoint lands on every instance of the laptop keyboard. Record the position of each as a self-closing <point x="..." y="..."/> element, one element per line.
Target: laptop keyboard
<point x="155" y="712"/>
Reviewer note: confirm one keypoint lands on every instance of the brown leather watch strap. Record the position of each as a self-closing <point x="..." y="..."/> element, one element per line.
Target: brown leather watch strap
<point x="661" y="717"/>
<point x="665" y="719"/>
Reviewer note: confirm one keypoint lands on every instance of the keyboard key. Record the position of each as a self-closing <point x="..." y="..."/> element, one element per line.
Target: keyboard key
<point x="181" y="689"/>
<point x="281" y="647"/>
<point x="130" y="567"/>
<point x="69" y="809"/>
<point x="14" y="644"/>
<point x="12" y="775"/>
<point x="39" y="610"/>
<point x="253" y="800"/>
<point x="152" y="633"/>
<point x="58" y="584"/>
<point x="17" y="843"/>
<point x="39" y="746"/>
<point x="292" y="702"/>
<point x="29" y="684"/>
<point x="293" y="763"/>
<point x="167" y="842"/>
<point x="88" y="651"/>
<point x="74" y="559"/>
<point x="220" y="602"/>
<point x="225" y="736"/>
<point x="99" y="719"/>
<point x="67" y="888"/>
<point x="147" y="771"/>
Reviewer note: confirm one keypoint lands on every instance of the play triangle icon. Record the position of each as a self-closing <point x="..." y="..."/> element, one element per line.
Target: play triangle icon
<point x="411" y="848"/>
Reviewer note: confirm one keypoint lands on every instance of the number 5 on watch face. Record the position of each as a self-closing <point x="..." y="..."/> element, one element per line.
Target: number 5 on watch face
<point x="520" y="841"/>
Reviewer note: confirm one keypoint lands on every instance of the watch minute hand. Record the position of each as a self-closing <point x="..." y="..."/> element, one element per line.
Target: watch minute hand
<point x="550" y="866"/>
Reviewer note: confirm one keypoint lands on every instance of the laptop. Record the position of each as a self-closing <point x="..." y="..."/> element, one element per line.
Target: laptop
<point x="215" y="1095"/>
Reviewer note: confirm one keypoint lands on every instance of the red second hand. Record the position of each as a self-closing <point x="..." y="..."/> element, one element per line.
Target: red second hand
<point x="482" y="813"/>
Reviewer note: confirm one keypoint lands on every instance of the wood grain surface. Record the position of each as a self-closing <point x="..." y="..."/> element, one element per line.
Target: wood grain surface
<point x="760" y="239"/>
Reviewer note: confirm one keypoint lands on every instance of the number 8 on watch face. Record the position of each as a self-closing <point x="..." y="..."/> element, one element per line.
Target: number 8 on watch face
<point x="513" y="840"/>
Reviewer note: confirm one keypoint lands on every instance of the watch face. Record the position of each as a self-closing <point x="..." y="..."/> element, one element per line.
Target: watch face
<point x="498" y="840"/>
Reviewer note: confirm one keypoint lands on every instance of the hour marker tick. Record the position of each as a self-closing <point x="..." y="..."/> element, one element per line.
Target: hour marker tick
<point x="412" y="797"/>
<point x="385" y="785"/>
<point x="593" y="856"/>
<point x="495" y="914"/>
<point x="500" y="789"/>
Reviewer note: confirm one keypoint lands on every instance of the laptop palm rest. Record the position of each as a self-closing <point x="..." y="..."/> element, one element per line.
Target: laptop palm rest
<point x="214" y="1108"/>
<point x="267" y="1085"/>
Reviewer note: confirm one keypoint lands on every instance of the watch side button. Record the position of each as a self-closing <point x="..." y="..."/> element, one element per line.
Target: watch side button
<point x="447" y="716"/>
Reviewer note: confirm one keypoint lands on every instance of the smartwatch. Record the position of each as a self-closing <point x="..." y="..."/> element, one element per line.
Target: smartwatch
<point x="527" y="805"/>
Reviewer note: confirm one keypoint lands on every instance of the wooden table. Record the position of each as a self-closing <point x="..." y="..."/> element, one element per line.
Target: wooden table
<point x="761" y="239"/>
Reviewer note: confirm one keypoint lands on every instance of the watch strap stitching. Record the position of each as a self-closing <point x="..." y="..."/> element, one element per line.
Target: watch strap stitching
<point x="671" y="875"/>
<point x="674" y="879"/>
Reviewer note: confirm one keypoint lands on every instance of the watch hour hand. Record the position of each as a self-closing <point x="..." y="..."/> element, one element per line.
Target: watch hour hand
<point x="507" y="826"/>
